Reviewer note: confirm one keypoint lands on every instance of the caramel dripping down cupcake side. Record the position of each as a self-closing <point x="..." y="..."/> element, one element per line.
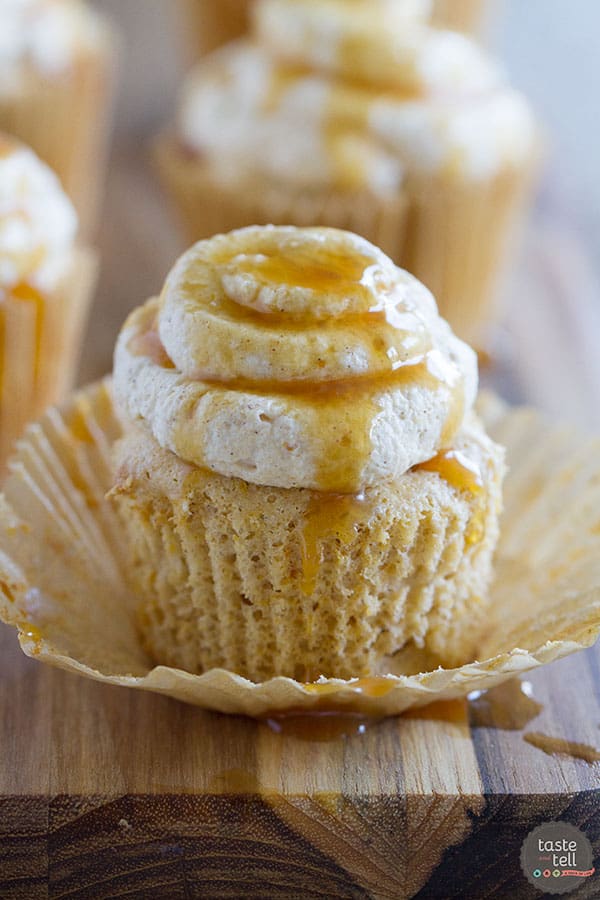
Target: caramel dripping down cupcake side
<point x="279" y="398"/>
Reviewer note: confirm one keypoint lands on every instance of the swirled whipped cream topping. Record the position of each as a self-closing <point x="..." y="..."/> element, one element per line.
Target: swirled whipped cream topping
<point x="38" y="223"/>
<point x="329" y="94"/>
<point x="295" y="358"/>
<point x="47" y="35"/>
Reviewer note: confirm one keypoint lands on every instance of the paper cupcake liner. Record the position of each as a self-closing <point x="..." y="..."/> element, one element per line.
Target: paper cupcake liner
<point x="458" y="15"/>
<point x="62" y="583"/>
<point x="215" y="22"/>
<point x="207" y="207"/>
<point x="65" y="120"/>
<point x="267" y="581"/>
<point x="40" y="338"/>
<point x="458" y="239"/>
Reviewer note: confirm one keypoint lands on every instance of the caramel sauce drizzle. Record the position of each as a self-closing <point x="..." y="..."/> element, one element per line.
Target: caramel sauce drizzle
<point x="318" y="268"/>
<point x="552" y="746"/>
<point x="454" y="712"/>
<point x="346" y="114"/>
<point x="455" y="468"/>
<point x="327" y="515"/>
<point x="372" y="687"/>
<point x="509" y="707"/>
<point x="320" y="727"/>
<point x="340" y="413"/>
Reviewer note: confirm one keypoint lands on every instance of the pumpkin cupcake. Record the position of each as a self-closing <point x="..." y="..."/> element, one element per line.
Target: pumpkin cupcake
<point x="304" y="485"/>
<point x="408" y="135"/>
<point x="56" y="83"/>
<point x="216" y="22"/>
<point x="46" y="283"/>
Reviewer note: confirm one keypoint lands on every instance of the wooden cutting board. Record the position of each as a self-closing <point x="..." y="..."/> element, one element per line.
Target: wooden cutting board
<point x="105" y="793"/>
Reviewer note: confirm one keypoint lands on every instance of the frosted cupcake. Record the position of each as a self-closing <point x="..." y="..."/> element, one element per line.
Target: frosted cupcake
<point x="56" y="73"/>
<point x="216" y="22"/>
<point x="45" y="288"/>
<point x="303" y="482"/>
<point x="407" y="135"/>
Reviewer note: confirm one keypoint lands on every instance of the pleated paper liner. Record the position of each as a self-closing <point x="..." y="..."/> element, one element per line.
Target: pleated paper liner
<point x="62" y="582"/>
<point x="459" y="235"/>
<point x="40" y="339"/>
<point x="65" y="120"/>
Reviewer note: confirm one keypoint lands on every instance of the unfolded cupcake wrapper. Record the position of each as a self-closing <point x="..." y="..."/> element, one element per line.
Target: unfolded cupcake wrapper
<point x="207" y="207"/>
<point x="40" y="338"/>
<point x="215" y="22"/>
<point x="66" y="120"/>
<point x="62" y="569"/>
<point x="453" y="234"/>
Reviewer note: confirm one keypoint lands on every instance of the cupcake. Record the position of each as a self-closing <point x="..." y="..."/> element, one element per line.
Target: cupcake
<point x="304" y="486"/>
<point x="408" y="135"/>
<point x="46" y="283"/>
<point x="215" y="22"/>
<point x="56" y="74"/>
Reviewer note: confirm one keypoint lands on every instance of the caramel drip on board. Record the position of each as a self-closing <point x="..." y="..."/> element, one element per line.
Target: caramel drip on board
<point x="552" y="746"/>
<point x="508" y="707"/>
<point x="453" y="712"/>
<point x="320" y="727"/>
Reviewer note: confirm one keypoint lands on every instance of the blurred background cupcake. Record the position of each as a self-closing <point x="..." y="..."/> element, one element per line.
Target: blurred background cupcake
<point x="46" y="282"/>
<point x="215" y="22"/>
<point x="56" y="79"/>
<point x="406" y="134"/>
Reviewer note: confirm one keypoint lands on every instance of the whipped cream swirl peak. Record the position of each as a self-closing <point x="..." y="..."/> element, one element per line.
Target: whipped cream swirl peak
<point x="295" y="358"/>
<point x="38" y="224"/>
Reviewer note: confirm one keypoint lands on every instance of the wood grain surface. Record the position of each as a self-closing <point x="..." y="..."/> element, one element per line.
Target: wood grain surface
<point x="109" y="793"/>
